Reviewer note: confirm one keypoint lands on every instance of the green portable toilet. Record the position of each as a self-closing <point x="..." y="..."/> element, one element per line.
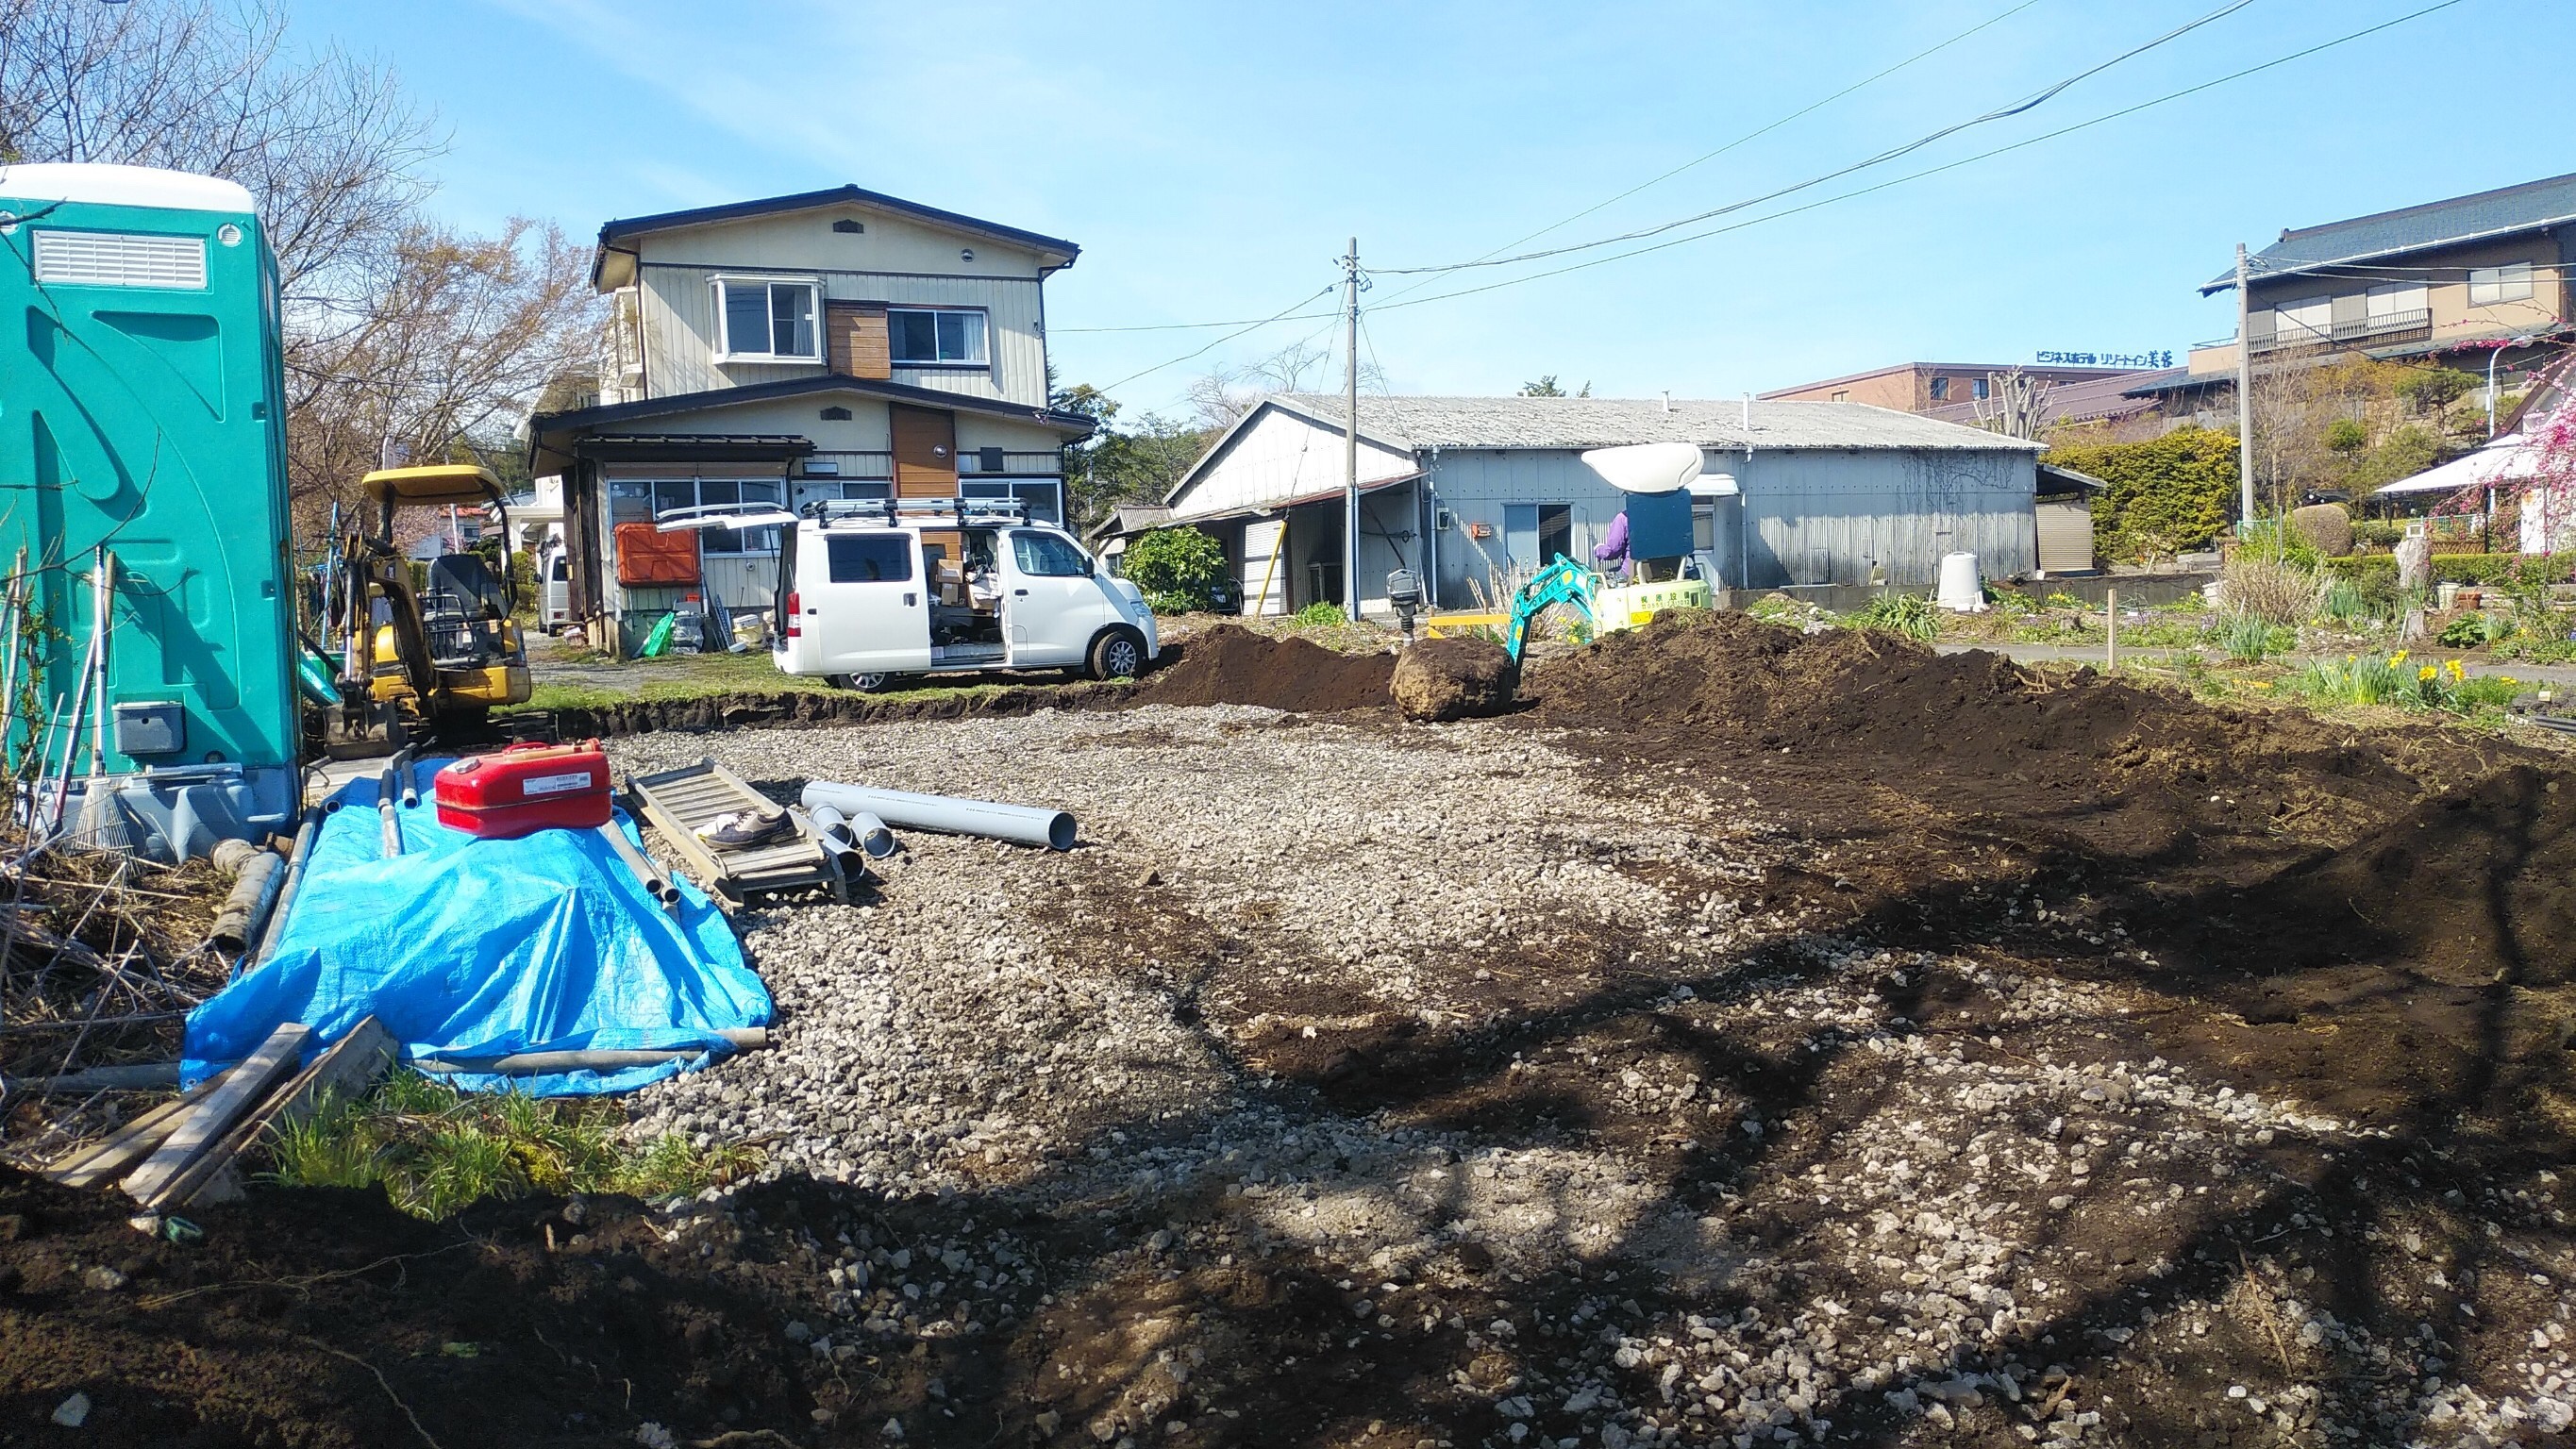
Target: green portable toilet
<point x="142" y="410"/>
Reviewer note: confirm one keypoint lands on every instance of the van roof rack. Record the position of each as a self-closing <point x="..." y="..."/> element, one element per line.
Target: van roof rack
<point x="917" y="510"/>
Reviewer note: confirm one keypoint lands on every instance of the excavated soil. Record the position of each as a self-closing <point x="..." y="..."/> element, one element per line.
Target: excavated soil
<point x="1230" y="664"/>
<point x="1758" y="1039"/>
<point x="2406" y="894"/>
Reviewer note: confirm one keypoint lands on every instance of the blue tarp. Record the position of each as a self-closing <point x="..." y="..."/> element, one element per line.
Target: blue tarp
<point x="469" y="948"/>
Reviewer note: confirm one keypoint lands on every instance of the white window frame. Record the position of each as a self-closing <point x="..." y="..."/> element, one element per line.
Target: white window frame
<point x="718" y="542"/>
<point x="1046" y="493"/>
<point x="2396" y="299"/>
<point x="2291" y="328"/>
<point x="983" y="335"/>
<point x="2503" y="283"/>
<point x="626" y="330"/>
<point x="727" y="352"/>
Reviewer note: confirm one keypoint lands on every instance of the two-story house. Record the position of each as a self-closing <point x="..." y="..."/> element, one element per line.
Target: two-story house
<point x="2465" y="282"/>
<point x="830" y="344"/>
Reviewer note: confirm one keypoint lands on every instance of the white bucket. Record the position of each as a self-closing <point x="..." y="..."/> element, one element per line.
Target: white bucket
<point x="1961" y="592"/>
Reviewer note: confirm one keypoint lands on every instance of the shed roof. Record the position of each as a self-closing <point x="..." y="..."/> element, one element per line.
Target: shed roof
<point x="2501" y="212"/>
<point x="1127" y="518"/>
<point x="1421" y="423"/>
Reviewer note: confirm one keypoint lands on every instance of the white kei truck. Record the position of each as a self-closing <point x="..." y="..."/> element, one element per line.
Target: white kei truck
<point x="873" y="593"/>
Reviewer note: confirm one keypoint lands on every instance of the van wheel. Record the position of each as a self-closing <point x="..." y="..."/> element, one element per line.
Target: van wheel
<point x="863" y="683"/>
<point x="1118" y="654"/>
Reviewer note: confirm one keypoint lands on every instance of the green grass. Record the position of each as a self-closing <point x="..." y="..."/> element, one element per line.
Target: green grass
<point x="435" y="1151"/>
<point x="2249" y="640"/>
<point x="690" y="676"/>
<point x="2399" y="682"/>
<point x="1911" y="615"/>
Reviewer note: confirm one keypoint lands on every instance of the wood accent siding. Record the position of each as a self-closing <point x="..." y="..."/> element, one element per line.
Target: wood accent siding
<point x="859" y="345"/>
<point x="925" y="452"/>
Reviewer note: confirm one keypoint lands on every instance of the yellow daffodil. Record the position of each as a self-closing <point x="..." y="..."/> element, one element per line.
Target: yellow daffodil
<point x="2458" y="671"/>
<point x="2397" y="658"/>
<point x="2428" y="673"/>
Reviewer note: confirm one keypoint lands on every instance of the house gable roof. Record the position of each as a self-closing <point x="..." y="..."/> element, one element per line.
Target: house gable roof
<point x="628" y="228"/>
<point x="2479" y="215"/>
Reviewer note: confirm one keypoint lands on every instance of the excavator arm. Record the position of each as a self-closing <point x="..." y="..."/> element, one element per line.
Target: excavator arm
<point x="374" y="571"/>
<point x="1563" y="581"/>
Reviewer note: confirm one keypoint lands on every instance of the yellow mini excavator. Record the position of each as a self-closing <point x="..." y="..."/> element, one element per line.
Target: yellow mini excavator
<point x="433" y="660"/>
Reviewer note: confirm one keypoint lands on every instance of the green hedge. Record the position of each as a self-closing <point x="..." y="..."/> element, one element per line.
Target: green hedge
<point x="2456" y="568"/>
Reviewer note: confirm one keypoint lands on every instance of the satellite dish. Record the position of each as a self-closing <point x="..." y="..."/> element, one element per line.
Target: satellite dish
<point x="1646" y="467"/>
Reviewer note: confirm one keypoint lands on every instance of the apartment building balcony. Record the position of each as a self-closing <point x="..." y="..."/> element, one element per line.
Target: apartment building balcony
<point x="2376" y="331"/>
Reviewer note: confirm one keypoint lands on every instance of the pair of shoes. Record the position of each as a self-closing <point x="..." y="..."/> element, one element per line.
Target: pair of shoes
<point x="740" y="827"/>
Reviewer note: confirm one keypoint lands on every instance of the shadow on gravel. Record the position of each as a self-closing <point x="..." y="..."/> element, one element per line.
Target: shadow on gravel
<point x="1079" y="1306"/>
<point x="320" y="1318"/>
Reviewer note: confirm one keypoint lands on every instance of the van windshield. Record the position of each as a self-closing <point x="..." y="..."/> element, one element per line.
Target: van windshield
<point x="1047" y="555"/>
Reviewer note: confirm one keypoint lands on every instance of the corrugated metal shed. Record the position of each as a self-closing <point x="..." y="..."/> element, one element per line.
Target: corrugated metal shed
<point x="1605" y="422"/>
<point x="1473" y="491"/>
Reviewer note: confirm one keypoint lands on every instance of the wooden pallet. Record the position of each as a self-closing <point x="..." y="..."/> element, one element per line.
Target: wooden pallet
<point x="678" y="802"/>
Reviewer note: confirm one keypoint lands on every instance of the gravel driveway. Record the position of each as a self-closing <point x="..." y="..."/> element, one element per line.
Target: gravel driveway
<point x="1363" y="1083"/>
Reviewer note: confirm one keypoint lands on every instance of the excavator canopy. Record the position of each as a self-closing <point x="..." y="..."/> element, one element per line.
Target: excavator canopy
<point x="457" y="483"/>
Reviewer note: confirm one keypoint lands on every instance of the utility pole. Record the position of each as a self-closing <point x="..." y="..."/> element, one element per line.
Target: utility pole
<point x="2244" y="398"/>
<point x="1351" y="435"/>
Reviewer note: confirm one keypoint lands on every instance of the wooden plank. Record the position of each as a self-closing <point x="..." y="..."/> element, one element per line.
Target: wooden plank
<point x="244" y="1088"/>
<point x="117" y="1153"/>
<point x="348" y="1068"/>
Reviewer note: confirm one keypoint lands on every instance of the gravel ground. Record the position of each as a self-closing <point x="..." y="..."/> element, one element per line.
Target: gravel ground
<point x="1364" y="1083"/>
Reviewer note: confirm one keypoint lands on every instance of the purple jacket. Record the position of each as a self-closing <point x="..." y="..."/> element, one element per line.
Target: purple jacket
<point x="1614" y="544"/>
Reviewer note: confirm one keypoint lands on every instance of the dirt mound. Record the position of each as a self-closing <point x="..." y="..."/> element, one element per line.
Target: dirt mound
<point x="2473" y="886"/>
<point x="1446" y="679"/>
<point x="2115" y="765"/>
<point x="1230" y="664"/>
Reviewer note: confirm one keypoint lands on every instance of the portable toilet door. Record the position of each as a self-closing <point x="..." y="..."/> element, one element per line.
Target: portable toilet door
<point x="141" y="409"/>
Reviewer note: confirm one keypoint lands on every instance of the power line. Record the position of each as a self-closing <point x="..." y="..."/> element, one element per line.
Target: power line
<point x="1193" y="326"/>
<point x="2019" y="107"/>
<point x="1279" y="316"/>
<point x="1749" y="136"/>
<point x="1755" y="134"/>
<point x="1936" y="170"/>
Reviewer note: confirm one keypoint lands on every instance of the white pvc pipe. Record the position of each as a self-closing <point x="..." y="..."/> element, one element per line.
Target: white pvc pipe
<point x="864" y="831"/>
<point x="1020" y="824"/>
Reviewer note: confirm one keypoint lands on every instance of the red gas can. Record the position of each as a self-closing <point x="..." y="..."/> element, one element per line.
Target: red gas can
<point x="525" y="789"/>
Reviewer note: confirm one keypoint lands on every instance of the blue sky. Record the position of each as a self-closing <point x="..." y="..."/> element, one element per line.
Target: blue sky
<point x="1212" y="160"/>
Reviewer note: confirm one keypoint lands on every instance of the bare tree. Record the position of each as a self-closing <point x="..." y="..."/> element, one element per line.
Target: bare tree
<point x="2016" y="404"/>
<point x="401" y="338"/>
<point x="1220" y="397"/>
<point x="327" y="144"/>
<point x="451" y="340"/>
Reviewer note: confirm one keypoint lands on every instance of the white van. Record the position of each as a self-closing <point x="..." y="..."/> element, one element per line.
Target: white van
<point x="554" y="586"/>
<point x="873" y="591"/>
